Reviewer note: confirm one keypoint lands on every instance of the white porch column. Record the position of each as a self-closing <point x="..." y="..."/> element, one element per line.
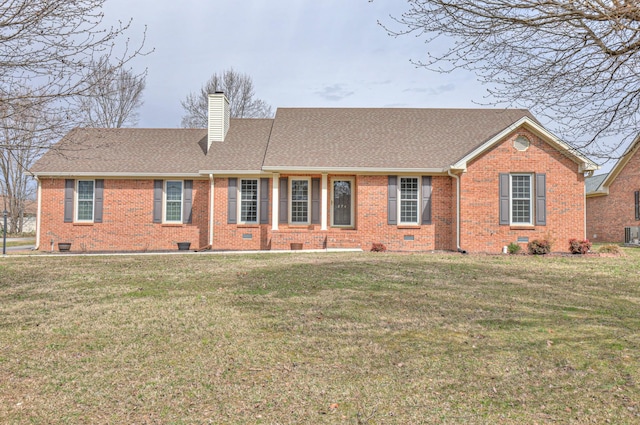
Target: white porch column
<point x="324" y="203"/>
<point x="275" y="201"/>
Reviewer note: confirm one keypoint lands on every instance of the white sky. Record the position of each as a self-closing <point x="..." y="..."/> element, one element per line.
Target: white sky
<point x="299" y="53"/>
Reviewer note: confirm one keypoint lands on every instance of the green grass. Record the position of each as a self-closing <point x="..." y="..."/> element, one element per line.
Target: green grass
<point x="342" y="338"/>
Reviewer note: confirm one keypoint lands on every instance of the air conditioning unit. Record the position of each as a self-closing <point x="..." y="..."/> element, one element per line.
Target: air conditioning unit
<point x="632" y="235"/>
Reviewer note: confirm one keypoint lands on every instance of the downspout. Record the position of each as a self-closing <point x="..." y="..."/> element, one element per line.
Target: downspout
<point x="457" y="177"/>
<point x="38" y="214"/>
<point x="211" y="188"/>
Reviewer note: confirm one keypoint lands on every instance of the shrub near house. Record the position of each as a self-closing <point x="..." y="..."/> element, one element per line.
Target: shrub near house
<point x="319" y="178"/>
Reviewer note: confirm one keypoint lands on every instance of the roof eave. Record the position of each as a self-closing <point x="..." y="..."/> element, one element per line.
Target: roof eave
<point x="599" y="192"/>
<point x="234" y="172"/>
<point x="628" y="154"/>
<point x="355" y="170"/>
<point x="112" y="174"/>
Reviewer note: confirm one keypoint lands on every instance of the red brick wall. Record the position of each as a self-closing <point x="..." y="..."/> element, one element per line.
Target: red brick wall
<point x="607" y="216"/>
<point x="236" y="237"/>
<point x="128" y="205"/>
<point x="370" y="200"/>
<point x="565" y="199"/>
<point x="127" y="219"/>
<point x="372" y="217"/>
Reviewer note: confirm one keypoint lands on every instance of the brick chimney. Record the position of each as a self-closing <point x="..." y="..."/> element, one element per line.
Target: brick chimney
<point x="218" y="118"/>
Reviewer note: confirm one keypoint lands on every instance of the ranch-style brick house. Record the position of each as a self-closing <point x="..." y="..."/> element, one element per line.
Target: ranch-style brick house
<point x="473" y="180"/>
<point x="613" y="200"/>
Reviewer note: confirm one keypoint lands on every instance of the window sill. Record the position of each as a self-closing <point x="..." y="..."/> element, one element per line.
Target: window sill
<point x="409" y="226"/>
<point x="89" y="223"/>
<point x="172" y="225"/>
<point x="523" y="227"/>
<point x="248" y="225"/>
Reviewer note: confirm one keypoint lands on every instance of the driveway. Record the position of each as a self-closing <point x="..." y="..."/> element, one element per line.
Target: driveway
<point x="29" y="244"/>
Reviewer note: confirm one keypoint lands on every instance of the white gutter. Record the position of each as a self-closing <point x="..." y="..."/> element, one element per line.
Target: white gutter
<point x="38" y="219"/>
<point x="123" y="175"/>
<point x="211" y="188"/>
<point x="221" y="173"/>
<point x="373" y="170"/>
<point x="584" y="211"/>
<point x="457" y="177"/>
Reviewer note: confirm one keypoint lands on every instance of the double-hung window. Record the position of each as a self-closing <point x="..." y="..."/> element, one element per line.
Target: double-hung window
<point x="85" y="200"/>
<point x="521" y="199"/>
<point x="249" y="200"/>
<point x="409" y="200"/>
<point x="299" y="201"/>
<point x="173" y="201"/>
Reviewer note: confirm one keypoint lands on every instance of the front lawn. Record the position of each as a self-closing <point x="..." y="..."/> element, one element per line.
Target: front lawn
<point x="315" y="338"/>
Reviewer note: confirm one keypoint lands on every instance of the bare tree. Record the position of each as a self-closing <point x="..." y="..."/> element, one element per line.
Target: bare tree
<point x="47" y="47"/>
<point x="115" y="94"/>
<point x="25" y="132"/>
<point x="575" y="62"/>
<point x="46" y="51"/>
<point x="239" y="90"/>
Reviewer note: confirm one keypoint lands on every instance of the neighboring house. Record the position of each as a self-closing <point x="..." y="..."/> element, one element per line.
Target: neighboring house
<point x="411" y="179"/>
<point x="28" y="214"/>
<point x="613" y="200"/>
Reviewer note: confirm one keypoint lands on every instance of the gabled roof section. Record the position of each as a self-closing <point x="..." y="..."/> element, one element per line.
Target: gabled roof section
<point x="125" y="151"/>
<point x="380" y="139"/>
<point x="585" y="164"/>
<point x="603" y="187"/>
<point x="243" y="149"/>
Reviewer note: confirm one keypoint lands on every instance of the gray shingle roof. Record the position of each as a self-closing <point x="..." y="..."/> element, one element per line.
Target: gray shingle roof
<point x="126" y="150"/>
<point x="355" y="138"/>
<point x="593" y="183"/>
<point x="381" y="138"/>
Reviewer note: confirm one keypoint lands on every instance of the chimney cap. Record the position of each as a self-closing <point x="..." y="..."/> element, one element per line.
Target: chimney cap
<point x="218" y="92"/>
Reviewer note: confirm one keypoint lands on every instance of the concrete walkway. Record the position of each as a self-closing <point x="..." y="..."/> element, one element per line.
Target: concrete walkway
<point x="27" y="247"/>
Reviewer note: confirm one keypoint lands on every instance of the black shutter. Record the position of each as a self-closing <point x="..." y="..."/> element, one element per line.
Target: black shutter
<point x="504" y="199"/>
<point x="157" y="201"/>
<point x="426" y="199"/>
<point x="232" y="205"/>
<point x="99" y="201"/>
<point x="637" y="195"/>
<point x="283" y="213"/>
<point x="69" y="187"/>
<point x="264" y="200"/>
<point x="392" y="200"/>
<point x="541" y="199"/>
<point x="187" y="202"/>
<point x="315" y="201"/>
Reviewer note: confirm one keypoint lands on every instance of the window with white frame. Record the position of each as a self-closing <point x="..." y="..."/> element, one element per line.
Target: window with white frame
<point x="85" y="200"/>
<point x="248" y="200"/>
<point x="521" y="199"/>
<point x="299" y="211"/>
<point x="409" y="196"/>
<point x="173" y="201"/>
